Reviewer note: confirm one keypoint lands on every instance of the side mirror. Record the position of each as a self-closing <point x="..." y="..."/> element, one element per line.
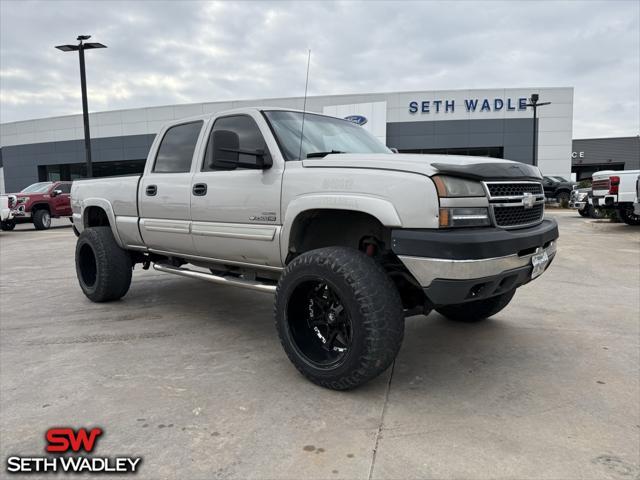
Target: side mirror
<point x="226" y="152"/>
<point x="225" y="149"/>
<point x="56" y="192"/>
<point x="394" y="150"/>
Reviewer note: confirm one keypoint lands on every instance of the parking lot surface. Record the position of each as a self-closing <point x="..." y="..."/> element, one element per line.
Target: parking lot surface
<point x="191" y="376"/>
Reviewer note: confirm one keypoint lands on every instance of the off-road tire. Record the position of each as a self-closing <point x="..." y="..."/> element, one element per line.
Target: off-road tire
<point x="628" y="217"/>
<point x="370" y="299"/>
<point x="42" y="219"/>
<point x="584" y="212"/>
<point x="8" y="225"/>
<point x="478" y="310"/>
<point x="103" y="268"/>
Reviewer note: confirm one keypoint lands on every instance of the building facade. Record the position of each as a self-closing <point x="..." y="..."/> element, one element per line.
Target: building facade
<point x="592" y="154"/>
<point x="495" y="123"/>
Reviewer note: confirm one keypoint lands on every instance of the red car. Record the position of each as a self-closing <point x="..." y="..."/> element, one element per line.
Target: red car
<point x="38" y="203"/>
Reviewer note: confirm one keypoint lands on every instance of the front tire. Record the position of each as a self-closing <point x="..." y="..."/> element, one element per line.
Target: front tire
<point x="478" y="310"/>
<point x="42" y="219"/>
<point x="8" y="225"/>
<point x="103" y="268"/>
<point x="584" y="212"/>
<point x="339" y="317"/>
<point x="563" y="197"/>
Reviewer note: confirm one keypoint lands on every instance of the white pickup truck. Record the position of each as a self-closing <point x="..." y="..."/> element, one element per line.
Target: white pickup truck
<point x="350" y="237"/>
<point x="616" y="190"/>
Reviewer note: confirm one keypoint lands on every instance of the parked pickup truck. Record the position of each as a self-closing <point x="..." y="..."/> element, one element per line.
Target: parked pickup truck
<point x="558" y="187"/>
<point x="6" y="217"/>
<point x="616" y="190"/>
<point x="350" y="237"/>
<point x="38" y="203"/>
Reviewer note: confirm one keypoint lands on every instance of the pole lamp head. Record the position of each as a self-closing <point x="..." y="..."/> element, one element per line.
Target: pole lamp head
<point x="534" y="98"/>
<point x="83" y="37"/>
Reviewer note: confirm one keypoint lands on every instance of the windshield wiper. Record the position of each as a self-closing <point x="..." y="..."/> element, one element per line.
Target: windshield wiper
<point x="322" y="154"/>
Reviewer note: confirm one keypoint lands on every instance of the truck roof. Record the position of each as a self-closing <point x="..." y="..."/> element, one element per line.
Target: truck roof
<point x="232" y="111"/>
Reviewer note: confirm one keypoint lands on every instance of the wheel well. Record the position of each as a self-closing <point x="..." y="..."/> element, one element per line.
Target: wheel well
<point x="348" y="228"/>
<point x="329" y="228"/>
<point x="95" y="217"/>
<point x="40" y="206"/>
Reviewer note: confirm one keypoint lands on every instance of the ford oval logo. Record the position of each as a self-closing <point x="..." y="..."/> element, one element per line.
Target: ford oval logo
<point x="357" y="119"/>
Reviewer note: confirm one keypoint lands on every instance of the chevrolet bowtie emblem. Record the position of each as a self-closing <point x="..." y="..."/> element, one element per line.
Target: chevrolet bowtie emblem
<point x="528" y="200"/>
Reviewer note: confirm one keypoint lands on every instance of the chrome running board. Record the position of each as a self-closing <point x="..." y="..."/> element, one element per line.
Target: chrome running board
<point x="230" y="281"/>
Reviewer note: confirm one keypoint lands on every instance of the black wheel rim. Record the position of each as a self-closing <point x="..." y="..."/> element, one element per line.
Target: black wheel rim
<point x="319" y="325"/>
<point x="87" y="265"/>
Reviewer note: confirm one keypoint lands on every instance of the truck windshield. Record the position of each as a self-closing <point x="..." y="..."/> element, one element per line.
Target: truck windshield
<point x="41" y="187"/>
<point x="322" y="135"/>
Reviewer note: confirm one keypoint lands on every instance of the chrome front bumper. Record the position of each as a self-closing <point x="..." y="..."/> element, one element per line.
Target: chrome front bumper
<point x="426" y="270"/>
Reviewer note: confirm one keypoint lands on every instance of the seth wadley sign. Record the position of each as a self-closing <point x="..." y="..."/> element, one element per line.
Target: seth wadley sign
<point x="470" y="104"/>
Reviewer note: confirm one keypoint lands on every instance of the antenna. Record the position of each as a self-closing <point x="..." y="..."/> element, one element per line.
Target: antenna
<point x="304" y="105"/>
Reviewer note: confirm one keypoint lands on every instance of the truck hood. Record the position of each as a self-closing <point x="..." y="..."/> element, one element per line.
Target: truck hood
<point x="464" y="166"/>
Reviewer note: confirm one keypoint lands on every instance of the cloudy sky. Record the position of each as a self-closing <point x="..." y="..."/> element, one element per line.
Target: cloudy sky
<point x="180" y="52"/>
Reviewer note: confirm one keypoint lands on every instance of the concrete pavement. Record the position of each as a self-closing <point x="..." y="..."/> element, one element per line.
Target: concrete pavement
<point x="191" y="376"/>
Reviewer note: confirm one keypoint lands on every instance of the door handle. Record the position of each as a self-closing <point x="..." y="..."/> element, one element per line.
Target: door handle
<point x="151" y="190"/>
<point x="200" y="189"/>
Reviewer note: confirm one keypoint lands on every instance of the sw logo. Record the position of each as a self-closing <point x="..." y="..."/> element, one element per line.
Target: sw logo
<point x="66" y="440"/>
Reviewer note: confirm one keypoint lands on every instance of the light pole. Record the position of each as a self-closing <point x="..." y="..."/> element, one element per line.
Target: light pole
<point x="81" y="47"/>
<point x="533" y="102"/>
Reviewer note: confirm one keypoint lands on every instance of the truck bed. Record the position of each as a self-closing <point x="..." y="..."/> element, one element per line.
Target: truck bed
<point x="121" y="192"/>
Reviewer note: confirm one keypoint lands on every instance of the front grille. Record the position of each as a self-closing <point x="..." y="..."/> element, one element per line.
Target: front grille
<point x="514" y="216"/>
<point x="514" y="189"/>
<point x="516" y="204"/>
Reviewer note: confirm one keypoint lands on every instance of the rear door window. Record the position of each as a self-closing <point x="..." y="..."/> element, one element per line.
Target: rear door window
<point x="177" y="147"/>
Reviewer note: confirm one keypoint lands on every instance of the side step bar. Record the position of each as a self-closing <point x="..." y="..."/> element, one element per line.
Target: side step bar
<point x="231" y="281"/>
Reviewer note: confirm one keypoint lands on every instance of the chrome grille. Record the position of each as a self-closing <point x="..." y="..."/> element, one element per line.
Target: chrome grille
<point x="515" y="204"/>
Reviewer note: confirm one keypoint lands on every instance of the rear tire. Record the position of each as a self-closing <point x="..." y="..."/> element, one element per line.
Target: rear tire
<point x="42" y="219"/>
<point x="627" y="216"/>
<point x="471" y="312"/>
<point x="339" y="317"/>
<point x="103" y="268"/>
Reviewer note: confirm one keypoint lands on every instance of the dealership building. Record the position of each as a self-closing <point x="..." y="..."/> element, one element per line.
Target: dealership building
<point x="495" y="123"/>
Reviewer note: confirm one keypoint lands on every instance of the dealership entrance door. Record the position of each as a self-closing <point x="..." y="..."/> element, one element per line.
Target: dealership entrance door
<point x="73" y="171"/>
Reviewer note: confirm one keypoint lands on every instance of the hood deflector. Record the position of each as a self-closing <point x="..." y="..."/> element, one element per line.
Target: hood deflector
<point x="490" y="171"/>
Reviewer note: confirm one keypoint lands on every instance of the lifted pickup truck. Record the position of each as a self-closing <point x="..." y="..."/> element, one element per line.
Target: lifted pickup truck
<point x="350" y="237"/>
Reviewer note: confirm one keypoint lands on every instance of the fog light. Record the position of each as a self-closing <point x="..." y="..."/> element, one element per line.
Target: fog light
<point x="464" y="217"/>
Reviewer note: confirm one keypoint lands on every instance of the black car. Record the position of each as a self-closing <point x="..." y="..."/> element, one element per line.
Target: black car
<point x="558" y="188"/>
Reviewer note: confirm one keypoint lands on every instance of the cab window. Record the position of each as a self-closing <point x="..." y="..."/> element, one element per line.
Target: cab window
<point x="63" y="187"/>
<point x="177" y="147"/>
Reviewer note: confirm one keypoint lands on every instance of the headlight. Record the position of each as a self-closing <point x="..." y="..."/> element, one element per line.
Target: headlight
<point x="464" y="217"/>
<point x="457" y="187"/>
<point x="23" y="199"/>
